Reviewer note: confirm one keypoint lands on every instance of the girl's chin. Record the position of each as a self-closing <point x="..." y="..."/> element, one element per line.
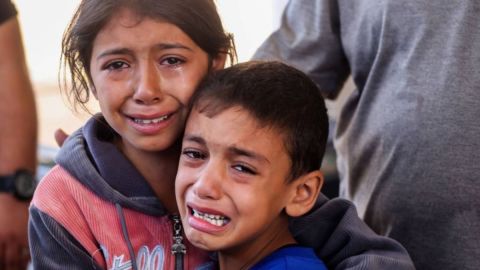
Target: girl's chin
<point x="157" y="145"/>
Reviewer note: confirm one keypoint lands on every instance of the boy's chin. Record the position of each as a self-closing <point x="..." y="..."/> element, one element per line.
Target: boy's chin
<point x="201" y="243"/>
<point x="205" y="241"/>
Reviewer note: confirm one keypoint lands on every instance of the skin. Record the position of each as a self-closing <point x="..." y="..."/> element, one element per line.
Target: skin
<point x="143" y="74"/>
<point x="17" y="145"/>
<point x="232" y="168"/>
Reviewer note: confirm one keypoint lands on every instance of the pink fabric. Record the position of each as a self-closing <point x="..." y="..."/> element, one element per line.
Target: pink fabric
<point x="94" y="222"/>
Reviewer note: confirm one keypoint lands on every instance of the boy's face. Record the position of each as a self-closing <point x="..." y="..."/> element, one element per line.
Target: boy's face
<point x="231" y="182"/>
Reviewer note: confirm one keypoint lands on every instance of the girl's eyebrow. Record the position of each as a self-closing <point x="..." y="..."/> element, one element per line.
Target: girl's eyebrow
<point x="160" y="46"/>
<point x="114" y="52"/>
<point x="173" y="45"/>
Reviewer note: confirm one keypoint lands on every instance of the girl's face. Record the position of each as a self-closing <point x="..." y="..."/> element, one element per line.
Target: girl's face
<point x="144" y="73"/>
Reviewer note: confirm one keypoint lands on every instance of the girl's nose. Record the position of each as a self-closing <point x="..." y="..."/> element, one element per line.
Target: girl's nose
<point x="148" y="85"/>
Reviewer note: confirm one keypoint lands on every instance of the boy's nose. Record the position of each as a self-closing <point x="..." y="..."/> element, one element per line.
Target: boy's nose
<point x="148" y="86"/>
<point x="209" y="183"/>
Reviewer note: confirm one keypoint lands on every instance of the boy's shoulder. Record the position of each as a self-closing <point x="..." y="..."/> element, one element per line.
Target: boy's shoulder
<point x="291" y="257"/>
<point x="343" y="241"/>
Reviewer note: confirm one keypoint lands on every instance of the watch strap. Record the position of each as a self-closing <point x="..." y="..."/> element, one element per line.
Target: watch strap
<point x="6" y="183"/>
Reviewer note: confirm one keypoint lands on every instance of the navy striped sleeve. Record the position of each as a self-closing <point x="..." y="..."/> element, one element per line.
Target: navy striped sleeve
<point x="52" y="247"/>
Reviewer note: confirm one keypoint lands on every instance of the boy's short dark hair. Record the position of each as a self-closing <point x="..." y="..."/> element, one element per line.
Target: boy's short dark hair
<point x="277" y="96"/>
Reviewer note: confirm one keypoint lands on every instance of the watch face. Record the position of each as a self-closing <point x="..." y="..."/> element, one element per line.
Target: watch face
<point x="25" y="184"/>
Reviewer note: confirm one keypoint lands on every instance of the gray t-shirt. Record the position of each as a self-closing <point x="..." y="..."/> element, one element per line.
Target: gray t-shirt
<point x="408" y="137"/>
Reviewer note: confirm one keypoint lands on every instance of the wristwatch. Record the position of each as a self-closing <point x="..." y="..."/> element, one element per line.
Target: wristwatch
<point x="21" y="184"/>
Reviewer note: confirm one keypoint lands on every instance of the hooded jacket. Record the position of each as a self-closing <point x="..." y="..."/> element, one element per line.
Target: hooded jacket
<point x="94" y="210"/>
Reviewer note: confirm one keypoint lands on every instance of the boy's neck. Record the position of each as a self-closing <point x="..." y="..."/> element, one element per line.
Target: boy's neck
<point x="245" y="256"/>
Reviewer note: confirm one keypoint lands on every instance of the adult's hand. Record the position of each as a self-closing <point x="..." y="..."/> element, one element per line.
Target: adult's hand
<point x="14" y="253"/>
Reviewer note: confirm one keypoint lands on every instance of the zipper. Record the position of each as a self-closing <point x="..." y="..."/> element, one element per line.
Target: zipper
<point x="178" y="248"/>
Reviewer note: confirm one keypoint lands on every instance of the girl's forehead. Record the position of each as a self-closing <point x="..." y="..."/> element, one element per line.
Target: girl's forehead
<point x="127" y="17"/>
<point x="130" y="29"/>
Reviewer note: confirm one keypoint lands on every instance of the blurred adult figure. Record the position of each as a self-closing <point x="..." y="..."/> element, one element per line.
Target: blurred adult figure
<point x="18" y="142"/>
<point x="408" y="137"/>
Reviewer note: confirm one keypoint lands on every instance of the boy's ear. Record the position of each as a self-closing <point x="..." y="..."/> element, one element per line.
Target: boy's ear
<point x="305" y="193"/>
<point x="218" y="62"/>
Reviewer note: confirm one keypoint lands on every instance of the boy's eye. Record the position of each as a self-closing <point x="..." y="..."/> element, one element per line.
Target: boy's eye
<point x="193" y="154"/>
<point x="244" y="169"/>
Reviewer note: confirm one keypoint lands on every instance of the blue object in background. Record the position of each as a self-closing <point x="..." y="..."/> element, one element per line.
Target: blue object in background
<point x="46" y="159"/>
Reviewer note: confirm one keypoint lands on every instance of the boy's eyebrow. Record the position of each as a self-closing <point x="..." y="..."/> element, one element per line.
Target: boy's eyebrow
<point x="232" y="149"/>
<point x="160" y="46"/>
<point x="242" y="152"/>
<point x="194" y="138"/>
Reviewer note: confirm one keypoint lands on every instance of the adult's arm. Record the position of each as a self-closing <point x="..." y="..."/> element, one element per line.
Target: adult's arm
<point x="18" y="117"/>
<point x="309" y="39"/>
<point x="18" y="138"/>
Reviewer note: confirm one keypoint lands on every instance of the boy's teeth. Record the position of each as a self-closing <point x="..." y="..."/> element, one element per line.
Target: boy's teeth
<point x="216" y="220"/>
<point x="149" y="121"/>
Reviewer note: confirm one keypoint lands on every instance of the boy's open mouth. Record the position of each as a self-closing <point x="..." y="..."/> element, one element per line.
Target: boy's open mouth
<point x="216" y="220"/>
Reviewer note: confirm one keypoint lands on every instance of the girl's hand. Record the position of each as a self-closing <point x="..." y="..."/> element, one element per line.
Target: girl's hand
<point x="60" y="136"/>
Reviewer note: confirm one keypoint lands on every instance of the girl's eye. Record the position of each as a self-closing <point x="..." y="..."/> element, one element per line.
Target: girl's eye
<point x="193" y="154"/>
<point x="172" y="61"/>
<point x="244" y="169"/>
<point x="116" y="65"/>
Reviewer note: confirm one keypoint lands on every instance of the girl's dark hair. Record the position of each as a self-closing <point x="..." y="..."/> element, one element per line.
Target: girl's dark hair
<point x="199" y="19"/>
<point x="277" y="96"/>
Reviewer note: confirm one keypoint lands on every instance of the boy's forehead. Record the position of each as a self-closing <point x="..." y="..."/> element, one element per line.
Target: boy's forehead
<point x="235" y="115"/>
<point x="235" y="126"/>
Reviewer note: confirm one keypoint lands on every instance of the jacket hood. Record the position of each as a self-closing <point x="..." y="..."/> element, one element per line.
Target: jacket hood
<point x="90" y="155"/>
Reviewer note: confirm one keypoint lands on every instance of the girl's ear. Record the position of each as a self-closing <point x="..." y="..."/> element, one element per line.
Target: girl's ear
<point x="305" y="193"/>
<point x="218" y="62"/>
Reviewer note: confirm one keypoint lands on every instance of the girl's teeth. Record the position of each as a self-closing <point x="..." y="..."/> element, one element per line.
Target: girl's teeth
<point x="149" y="121"/>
